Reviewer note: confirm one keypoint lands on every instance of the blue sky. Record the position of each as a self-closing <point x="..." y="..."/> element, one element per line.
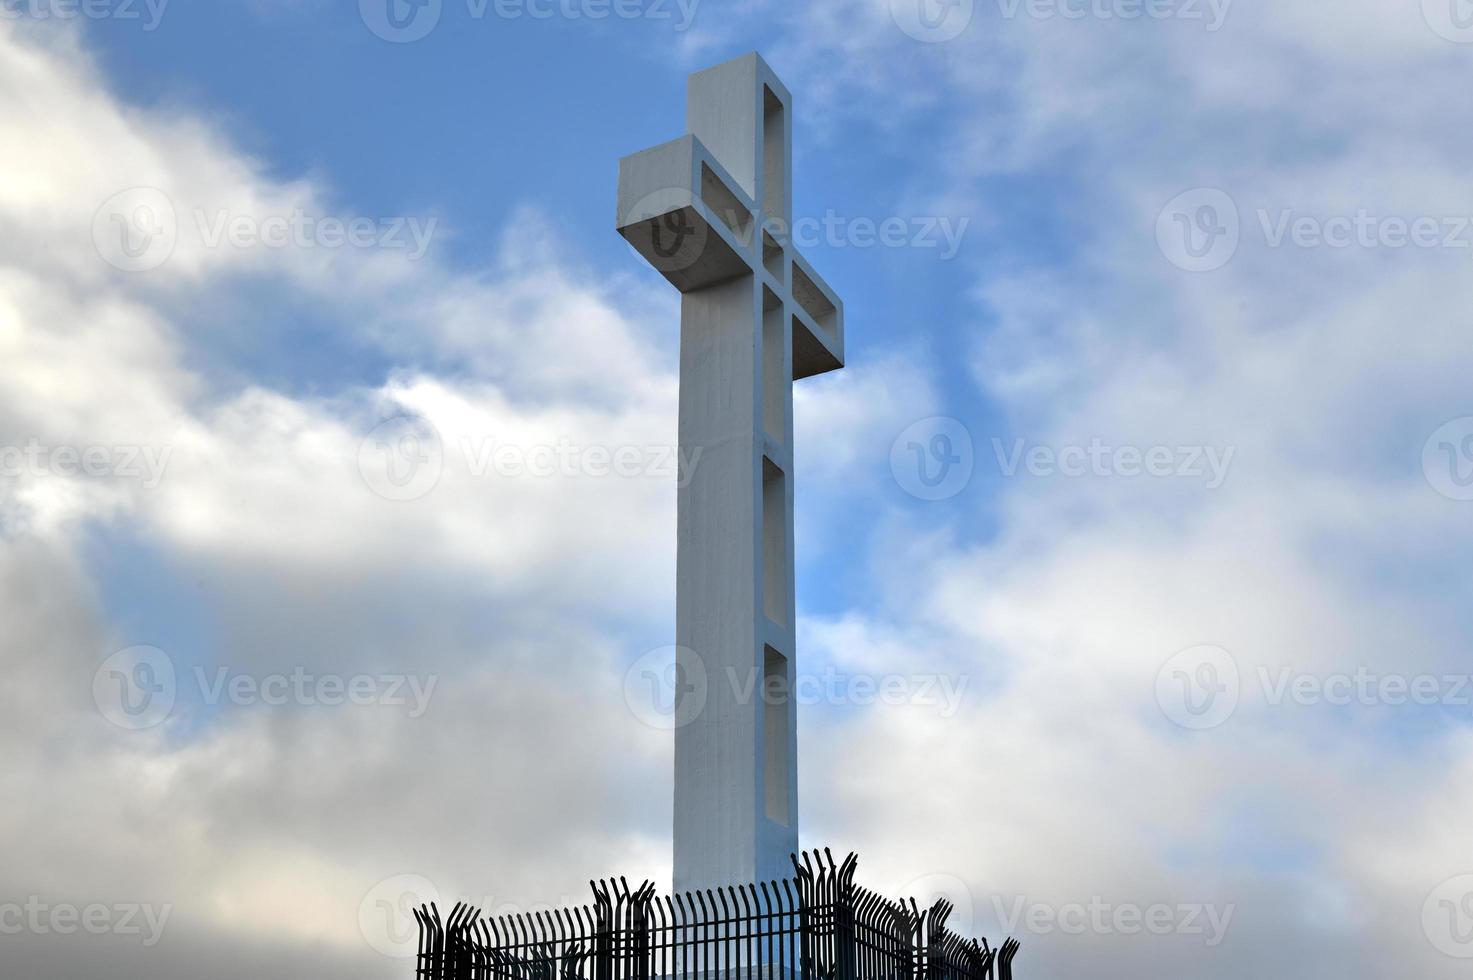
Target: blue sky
<point x="1205" y="533"/>
<point x="544" y="108"/>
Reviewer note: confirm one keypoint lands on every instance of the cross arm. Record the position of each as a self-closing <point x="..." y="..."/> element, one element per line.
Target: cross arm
<point x="818" y="322"/>
<point x="695" y="224"/>
<point x="684" y="213"/>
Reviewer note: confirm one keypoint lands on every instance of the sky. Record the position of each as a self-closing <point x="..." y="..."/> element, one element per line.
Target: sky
<point x="1143" y="501"/>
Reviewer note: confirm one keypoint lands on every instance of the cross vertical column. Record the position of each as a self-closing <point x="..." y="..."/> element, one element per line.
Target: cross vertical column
<point x="711" y="211"/>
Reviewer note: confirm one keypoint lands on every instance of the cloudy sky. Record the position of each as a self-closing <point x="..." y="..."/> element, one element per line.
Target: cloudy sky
<point x="1154" y="449"/>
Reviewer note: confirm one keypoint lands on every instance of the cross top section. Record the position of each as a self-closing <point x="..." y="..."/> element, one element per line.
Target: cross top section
<point x="716" y="203"/>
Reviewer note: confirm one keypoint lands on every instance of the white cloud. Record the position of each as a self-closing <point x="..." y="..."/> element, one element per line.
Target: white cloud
<point x="1060" y="780"/>
<point x="266" y="828"/>
<point x="1325" y="369"/>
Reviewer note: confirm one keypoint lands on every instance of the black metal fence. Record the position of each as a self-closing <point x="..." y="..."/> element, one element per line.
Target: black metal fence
<point x="817" y="925"/>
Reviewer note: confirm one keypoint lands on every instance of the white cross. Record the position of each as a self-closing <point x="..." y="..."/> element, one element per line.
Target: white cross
<point x="711" y="211"/>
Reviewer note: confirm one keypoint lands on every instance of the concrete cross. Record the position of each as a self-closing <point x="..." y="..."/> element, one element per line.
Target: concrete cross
<point x="712" y="211"/>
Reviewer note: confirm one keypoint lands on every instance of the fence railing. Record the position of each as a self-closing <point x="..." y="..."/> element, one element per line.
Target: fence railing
<point x="817" y="925"/>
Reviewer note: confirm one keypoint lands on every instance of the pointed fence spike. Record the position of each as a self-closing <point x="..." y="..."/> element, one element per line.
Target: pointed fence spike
<point x="815" y="922"/>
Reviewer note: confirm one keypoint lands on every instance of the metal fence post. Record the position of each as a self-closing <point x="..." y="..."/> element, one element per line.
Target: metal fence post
<point x="817" y="925"/>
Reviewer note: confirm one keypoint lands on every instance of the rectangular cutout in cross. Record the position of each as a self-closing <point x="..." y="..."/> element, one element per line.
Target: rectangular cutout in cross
<point x="775" y="563"/>
<point x="775" y="376"/>
<point x="728" y="207"/>
<point x="774" y="156"/>
<point x="774" y="259"/>
<point x="777" y="733"/>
